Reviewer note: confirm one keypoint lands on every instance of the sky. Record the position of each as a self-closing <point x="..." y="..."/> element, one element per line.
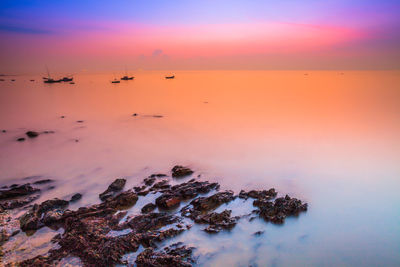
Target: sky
<point x="209" y="34"/>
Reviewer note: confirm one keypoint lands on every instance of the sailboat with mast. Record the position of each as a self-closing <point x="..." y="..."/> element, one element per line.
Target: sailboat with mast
<point x="48" y="79"/>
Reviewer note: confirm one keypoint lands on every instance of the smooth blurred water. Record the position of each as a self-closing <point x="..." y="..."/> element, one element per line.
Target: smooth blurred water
<point x="328" y="138"/>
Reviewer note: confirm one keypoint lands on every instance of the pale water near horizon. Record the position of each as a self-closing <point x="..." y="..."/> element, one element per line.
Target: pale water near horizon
<point x="330" y="139"/>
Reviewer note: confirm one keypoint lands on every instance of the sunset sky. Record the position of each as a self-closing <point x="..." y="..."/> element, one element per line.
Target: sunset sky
<point x="208" y="34"/>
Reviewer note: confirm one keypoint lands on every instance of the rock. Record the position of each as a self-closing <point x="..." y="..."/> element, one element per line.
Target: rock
<point x="62" y="117"/>
<point x="149" y="181"/>
<point x="180" y="171"/>
<point x="258" y="194"/>
<point x="75" y="197"/>
<point x="45" y="181"/>
<point x="32" y="134"/>
<point x="148" y="208"/>
<point x="52" y="216"/>
<point x="4" y="131"/>
<point x="114" y="187"/>
<point x="80" y="121"/>
<point x="52" y="204"/>
<point x="174" y="256"/>
<point x="21" y="139"/>
<point x="258" y="233"/>
<point x="42" y="214"/>
<point x="134" y="114"/>
<point x="168" y="201"/>
<point x="278" y="210"/>
<point x="17" y="191"/>
<point x="19" y="202"/>
<point x="29" y="221"/>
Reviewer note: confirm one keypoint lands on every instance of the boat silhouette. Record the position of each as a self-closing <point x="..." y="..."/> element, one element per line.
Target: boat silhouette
<point x="170" y="77"/>
<point x="126" y="77"/>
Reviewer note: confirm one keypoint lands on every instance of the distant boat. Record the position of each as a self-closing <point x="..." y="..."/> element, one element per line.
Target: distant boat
<point x="13" y="80"/>
<point x="67" y="79"/>
<point x="170" y="77"/>
<point x="2" y="80"/>
<point x="32" y="80"/>
<point x="115" y="81"/>
<point x="126" y="78"/>
<point x="50" y="80"/>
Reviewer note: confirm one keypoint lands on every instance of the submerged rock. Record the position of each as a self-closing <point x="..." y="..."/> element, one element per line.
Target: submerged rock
<point x="17" y="191"/>
<point x="177" y="255"/>
<point x="148" y="208"/>
<point x="180" y="171"/>
<point x="75" y="197"/>
<point x="113" y="188"/>
<point x="32" y="134"/>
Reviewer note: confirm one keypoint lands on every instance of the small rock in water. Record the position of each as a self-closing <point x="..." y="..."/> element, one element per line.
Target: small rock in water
<point x="80" y="121"/>
<point x="134" y="114"/>
<point x="4" y="131"/>
<point x="21" y="139"/>
<point x="114" y="187"/>
<point x="32" y="134"/>
<point x="148" y="208"/>
<point x="181" y="171"/>
<point x="75" y="197"/>
<point x="62" y="117"/>
<point x="44" y="181"/>
<point x="258" y="233"/>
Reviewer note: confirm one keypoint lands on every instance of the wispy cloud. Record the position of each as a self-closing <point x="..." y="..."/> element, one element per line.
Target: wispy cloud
<point x="24" y="30"/>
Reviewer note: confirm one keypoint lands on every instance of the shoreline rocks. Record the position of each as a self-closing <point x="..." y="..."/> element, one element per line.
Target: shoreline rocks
<point x="101" y="234"/>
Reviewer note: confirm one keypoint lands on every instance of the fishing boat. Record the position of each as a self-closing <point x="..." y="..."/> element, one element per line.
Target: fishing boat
<point x="67" y="79"/>
<point x="170" y="77"/>
<point x="126" y="77"/>
<point x="48" y="79"/>
<point x="115" y="81"/>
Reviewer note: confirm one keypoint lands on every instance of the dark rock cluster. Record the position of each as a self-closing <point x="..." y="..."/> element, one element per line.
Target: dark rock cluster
<point x="90" y="232"/>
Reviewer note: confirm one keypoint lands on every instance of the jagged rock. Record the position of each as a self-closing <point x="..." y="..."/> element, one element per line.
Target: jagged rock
<point x="17" y="190"/>
<point x="278" y="210"/>
<point x="174" y="256"/>
<point x="75" y="197"/>
<point x="180" y="171"/>
<point x="258" y="194"/>
<point x="114" y="187"/>
<point x="204" y="204"/>
<point x="148" y="208"/>
<point x="44" y="181"/>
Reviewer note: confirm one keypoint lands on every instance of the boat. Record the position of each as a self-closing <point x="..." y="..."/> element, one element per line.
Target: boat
<point x="32" y="80"/>
<point x="50" y="80"/>
<point x="170" y="77"/>
<point x="67" y="79"/>
<point x="126" y="78"/>
<point x="115" y="81"/>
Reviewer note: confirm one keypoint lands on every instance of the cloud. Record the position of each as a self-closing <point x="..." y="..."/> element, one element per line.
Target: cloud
<point x="157" y="52"/>
<point x="26" y="30"/>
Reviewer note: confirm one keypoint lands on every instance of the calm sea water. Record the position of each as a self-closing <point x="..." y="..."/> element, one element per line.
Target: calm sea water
<point x="329" y="138"/>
